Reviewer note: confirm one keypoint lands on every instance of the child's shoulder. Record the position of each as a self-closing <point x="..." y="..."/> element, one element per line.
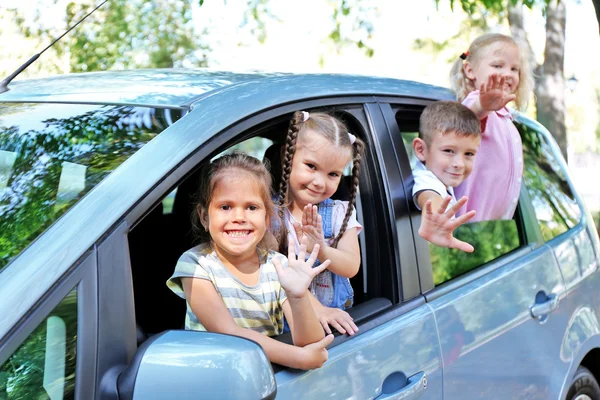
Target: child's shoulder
<point x="197" y="253"/>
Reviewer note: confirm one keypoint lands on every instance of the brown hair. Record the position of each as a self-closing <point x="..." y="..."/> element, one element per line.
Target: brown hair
<point x="447" y="116"/>
<point x="219" y="169"/>
<point x="337" y="134"/>
<point x="462" y="85"/>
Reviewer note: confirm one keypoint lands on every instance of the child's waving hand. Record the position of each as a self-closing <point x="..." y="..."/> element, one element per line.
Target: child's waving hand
<point x="311" y="228"/>
<point x="437" y="227"/>
<point x="296" y="278"/>
<point x="492" y="95"/>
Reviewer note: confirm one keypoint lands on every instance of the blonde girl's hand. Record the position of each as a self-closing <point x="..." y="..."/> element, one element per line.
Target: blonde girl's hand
<point x="437" y="227"/>
<point x="336" y="318"/>
<point x="296" y="278"/>
<point x="311" y="228"/>
<point x="492" y="96"/>
<point x="315" y="354"/>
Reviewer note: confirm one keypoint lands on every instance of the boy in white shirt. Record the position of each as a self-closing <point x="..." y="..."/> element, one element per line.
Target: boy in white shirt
<point x="449" y="137"/>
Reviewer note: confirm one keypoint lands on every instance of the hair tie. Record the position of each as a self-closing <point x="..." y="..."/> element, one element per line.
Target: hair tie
<point x="352" y="138"/>
<point x="464" y="55"/>
<point x="305" y="116"/>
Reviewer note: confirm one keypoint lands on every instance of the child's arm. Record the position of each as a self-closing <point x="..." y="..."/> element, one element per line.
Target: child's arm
<point x="492" y="97"/>
<point x="437" y="227"/>
<point x="210" y="310"/>
<point x="295" y="280"/>
<point x="345" y="259"/>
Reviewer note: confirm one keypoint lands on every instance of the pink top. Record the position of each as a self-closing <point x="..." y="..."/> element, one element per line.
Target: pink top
<point x="494" y="184"/>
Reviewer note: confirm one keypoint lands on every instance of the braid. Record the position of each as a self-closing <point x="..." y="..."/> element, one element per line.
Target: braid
<point x="290" y="150"/>
<point x="358" y="150"/>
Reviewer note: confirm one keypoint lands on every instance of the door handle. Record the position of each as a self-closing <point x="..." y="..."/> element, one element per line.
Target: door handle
<point x="540" y="311"/>
<point x="414" y="388"/>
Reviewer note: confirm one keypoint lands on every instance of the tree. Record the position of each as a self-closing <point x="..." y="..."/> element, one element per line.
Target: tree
<point x="125" y="34"/>
<point x="550" y="81"/>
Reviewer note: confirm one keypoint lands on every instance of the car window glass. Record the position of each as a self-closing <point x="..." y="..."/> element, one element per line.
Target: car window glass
<point x="556" y="208"/>
<point x="52" y="154"/>
<point x="43" y="367"/>
<point x="491" y="239"/>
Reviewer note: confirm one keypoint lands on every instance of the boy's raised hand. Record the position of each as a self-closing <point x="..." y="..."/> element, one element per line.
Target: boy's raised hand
<point x="311" y="228"/>
<point x="296" y="278"/>
<point x="437" y="227"/>
<point x="492" y="96"/>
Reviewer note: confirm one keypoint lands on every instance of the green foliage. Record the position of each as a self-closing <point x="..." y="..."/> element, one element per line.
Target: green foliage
<point x="491" y="240"/>
<point x="497" y="7"/>
<point x="22" y="375"/>
<point x="98" y="139"/>
<point x="555" y="206"/>
<point x="352" y="26"/>
<point x="124" y="34"/>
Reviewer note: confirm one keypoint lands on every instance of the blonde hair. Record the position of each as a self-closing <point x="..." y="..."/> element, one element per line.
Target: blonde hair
<point x="462" y="85"/>
<point x="336" y="132"/>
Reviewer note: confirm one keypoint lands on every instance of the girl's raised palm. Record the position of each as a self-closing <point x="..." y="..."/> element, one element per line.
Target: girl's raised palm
<point x="492" y="96"/>
<point x="311" y="228"/>
<point x="296" y="278"/>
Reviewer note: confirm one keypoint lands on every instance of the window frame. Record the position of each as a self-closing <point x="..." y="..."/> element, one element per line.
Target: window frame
<point x="82" y="278"/>
<point x="525" y="215"/>
<point x="375" y="174"/>
<point x="550" y="141"/>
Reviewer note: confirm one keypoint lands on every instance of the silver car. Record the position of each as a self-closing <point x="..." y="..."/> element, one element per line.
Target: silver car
<point x="96" y="176"/>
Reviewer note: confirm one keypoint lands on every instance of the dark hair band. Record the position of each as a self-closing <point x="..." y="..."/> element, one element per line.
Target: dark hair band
<point x="464" y="55"/>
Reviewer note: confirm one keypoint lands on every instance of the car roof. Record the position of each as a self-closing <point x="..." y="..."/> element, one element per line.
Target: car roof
<point x="182" y="87"/>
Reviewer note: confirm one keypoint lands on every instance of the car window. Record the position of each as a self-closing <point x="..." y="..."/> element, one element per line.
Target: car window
<point x="43" y="367"/>
<point x="556" y="208"/>
<point x="52" y="154"/>
<point x="491" y="239"/>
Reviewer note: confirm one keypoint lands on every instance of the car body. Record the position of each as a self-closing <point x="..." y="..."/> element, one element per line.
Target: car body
<point x="85" y="290"/>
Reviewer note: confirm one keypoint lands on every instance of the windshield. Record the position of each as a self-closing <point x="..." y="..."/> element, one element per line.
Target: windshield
<point x="53" y="154"/>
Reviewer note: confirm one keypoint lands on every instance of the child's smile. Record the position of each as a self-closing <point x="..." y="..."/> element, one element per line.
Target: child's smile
<point x="499" y="59"/>
<point x="317" y="168"/>
<point x="237" y="219"/>
<point x="451" y="157"/>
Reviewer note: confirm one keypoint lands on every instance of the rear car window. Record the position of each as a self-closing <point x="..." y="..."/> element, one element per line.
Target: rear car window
<point x="51" y="155"/>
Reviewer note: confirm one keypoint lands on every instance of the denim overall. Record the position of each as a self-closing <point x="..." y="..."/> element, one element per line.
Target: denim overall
<point x="330" y="289"/>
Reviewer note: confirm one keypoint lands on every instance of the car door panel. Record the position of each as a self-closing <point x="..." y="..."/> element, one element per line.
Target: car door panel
<point x="491" y="342"/>
<point x="357" y="368"/>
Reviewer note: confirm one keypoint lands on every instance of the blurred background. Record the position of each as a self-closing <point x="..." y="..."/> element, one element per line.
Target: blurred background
<point x="407" y="39"/>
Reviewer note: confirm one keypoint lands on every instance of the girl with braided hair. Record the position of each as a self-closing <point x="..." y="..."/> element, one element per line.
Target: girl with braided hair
<point x="318" y="148"/>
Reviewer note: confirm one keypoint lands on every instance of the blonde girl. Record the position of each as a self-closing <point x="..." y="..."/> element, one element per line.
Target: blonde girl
<point x="232" y="284"/>
<point x="493" y="72"/>
<point x="318" y="148"/>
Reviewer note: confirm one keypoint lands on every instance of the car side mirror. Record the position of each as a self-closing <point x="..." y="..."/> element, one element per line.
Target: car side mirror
<point x="191" y="365"/>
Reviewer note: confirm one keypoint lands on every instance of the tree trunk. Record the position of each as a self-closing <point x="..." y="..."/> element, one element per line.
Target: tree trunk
<point x="550" y="88"/>
<point x="597" y="8"/>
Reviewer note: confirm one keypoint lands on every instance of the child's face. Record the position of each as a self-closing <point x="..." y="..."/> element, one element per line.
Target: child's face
<point x="317" y="168"/>
<point x="498" y="58"/>
<point x="237" y="216"/>
<point x="450" y="157"/>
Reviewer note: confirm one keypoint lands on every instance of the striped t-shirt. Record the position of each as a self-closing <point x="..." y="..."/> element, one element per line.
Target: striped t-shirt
<point x="254" y="307"/>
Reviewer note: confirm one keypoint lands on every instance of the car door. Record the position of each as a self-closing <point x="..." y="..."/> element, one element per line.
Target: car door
<point x="564" y="227"/>
<point x="396" y="353"/>
<point x="498" y="309"/>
